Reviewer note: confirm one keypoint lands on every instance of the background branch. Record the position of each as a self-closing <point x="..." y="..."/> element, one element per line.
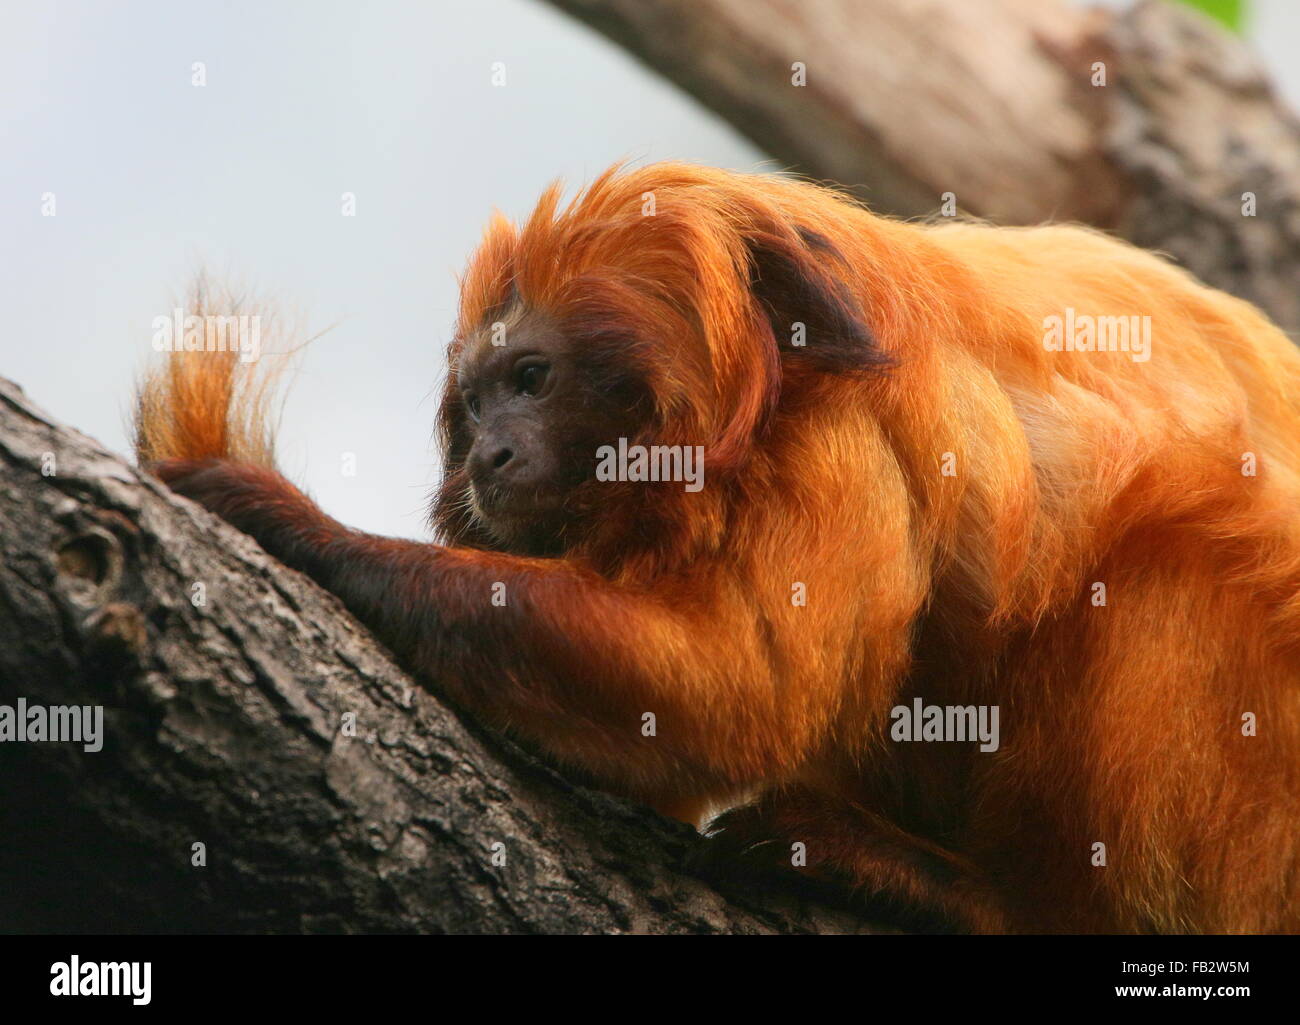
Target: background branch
<point x="993" y="100"/>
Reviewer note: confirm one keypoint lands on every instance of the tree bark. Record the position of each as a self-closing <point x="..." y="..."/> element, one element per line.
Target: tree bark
<point x="227" y="682"/>
<point x="995" y="102"/>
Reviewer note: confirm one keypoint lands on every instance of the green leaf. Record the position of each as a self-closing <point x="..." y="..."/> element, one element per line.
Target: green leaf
<point x="1230" y="12"/>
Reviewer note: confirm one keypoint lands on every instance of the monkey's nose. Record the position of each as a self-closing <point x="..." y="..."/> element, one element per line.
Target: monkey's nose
<point x="493" y="462"/>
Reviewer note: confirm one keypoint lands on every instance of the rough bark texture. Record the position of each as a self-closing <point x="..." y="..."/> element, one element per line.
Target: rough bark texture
<point x="223" y="725"/>
<point x="994" y="101"/>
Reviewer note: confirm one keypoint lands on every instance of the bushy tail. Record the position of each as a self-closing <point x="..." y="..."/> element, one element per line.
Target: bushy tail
<point x="205" y="403"/>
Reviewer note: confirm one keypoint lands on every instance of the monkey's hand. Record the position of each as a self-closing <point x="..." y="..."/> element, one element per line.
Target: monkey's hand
<point x="258" y="501"/>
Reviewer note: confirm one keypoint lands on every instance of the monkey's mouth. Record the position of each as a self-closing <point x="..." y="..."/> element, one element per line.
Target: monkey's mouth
<point x="521" y="519"/>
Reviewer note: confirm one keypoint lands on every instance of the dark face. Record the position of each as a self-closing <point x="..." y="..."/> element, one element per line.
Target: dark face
<point x="537" y="414"/>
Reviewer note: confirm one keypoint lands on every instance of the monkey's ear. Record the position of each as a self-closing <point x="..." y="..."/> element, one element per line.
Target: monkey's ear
<point x="796" y="278"/>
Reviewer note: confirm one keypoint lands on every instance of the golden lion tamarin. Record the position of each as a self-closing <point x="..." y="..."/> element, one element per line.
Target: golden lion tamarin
<point x="1035" y="476"/>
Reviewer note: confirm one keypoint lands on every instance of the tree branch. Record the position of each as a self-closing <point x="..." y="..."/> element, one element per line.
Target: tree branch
<point x="223" y="726"/>
<point x="995" y="101"/>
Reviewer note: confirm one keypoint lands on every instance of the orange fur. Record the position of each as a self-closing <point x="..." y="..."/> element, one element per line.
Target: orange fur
<point x="201" y="404"/>
<point x="1121" y="724"/>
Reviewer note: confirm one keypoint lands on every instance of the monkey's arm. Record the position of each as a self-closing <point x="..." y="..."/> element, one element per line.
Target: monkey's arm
<point x="563" y="657"/>
<point x="573" y="663"/>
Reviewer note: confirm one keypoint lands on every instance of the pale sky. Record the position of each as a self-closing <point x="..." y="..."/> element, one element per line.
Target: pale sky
<point x="392" y="101"/>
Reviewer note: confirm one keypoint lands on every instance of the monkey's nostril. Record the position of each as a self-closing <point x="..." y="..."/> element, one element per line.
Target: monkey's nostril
<point x="502" y="457"/>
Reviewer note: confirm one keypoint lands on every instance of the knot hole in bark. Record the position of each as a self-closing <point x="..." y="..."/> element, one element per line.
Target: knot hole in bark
<point x="90" y="565"/>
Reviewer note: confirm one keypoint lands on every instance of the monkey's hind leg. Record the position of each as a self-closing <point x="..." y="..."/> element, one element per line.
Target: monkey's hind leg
<point x="850" y="856"/>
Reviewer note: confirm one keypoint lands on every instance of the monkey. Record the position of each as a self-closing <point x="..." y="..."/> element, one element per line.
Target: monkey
<point x="936" y="472"/>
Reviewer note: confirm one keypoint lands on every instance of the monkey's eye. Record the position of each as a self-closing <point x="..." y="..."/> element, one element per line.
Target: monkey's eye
<point x="532" y="377"/>
<point x="471" y="404"/>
